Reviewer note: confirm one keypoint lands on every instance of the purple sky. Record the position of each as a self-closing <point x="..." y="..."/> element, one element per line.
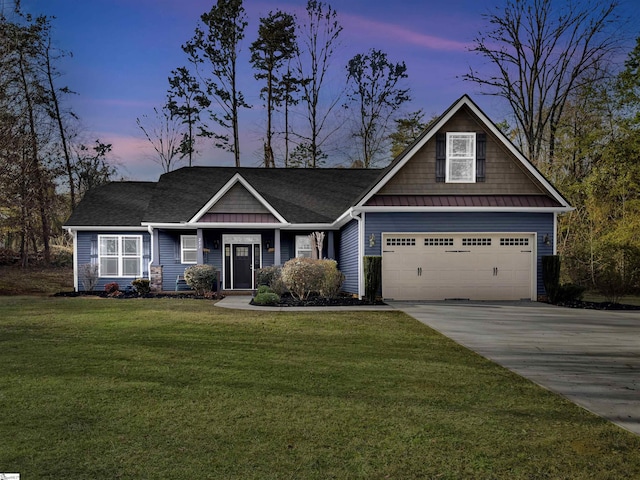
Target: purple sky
<point x="124" y="50"/>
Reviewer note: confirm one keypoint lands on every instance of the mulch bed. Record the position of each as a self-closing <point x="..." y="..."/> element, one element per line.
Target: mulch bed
<point x="131" y="294"/>
<point x="598" y="305"/>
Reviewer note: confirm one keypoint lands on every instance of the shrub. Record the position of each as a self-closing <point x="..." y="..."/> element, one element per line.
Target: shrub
<point x="263" y="289"/>
<point x="111" y="288"/>
<point x="61" y="256"/>
<point x="142" y="286"/>
<point x="201" y="278"/>
<point x="551" y="276"/>
<point x="332" y="279"/>
<point x="88" y="276"/>
<point x="302" y="276"/>
<point x="372" y="277"/>
<point x="569" y="292"/>
<point x="266" y="275"/>
<point x="618" y="273"/>
<point x="266" y="298"/>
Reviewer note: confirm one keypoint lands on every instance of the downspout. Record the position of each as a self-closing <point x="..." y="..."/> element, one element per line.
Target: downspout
<point x="360" y="243"/>
<point x="555" y="233"/>
<point x="151" y="257"/>
<point x="75" y="257"/>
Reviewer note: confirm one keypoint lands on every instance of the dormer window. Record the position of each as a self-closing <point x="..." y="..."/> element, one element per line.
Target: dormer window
<point x="461" y="157"/>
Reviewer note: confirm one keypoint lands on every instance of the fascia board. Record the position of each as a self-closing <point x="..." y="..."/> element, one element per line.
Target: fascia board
<point x="196" y="225"/>
<point x="103" y="228"/>
<point x="237" y="178"/>
<point x="464" y="209"/>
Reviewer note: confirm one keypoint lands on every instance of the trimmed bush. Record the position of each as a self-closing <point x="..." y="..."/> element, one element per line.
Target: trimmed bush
<point x="551" y="276"/>
<point x="201" y="278"/>
<point x="266" y="298"/>
<point x="141" y="286"/>
<point x="332" y="279"/>
<point x="111" y="288"/>
<point x="302" y="276"/>
<point x="372" y="277"/>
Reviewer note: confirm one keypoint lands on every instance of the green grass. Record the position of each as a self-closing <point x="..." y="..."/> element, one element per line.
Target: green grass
<point x="105" y="389"/>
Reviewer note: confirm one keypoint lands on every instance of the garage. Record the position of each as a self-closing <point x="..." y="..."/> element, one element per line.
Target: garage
<point x="474" y="266"/>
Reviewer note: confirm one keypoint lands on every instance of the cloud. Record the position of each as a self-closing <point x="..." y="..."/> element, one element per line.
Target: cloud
<point x="364" y="27"/>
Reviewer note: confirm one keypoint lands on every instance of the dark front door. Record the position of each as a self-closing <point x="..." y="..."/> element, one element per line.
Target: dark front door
<point x="242" y="266"/>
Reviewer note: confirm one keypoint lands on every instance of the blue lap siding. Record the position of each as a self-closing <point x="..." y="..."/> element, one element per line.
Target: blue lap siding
<point x="441" y="222"/>
<point x="348" y="256"/>
<point x="87" y="252"/>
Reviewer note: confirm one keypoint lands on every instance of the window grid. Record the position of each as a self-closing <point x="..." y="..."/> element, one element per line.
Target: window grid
<point x="438" y="242"/>
<point x="401" y="242"/>
<point x="514" y="242"/>
<point x="120" y="255"/>
<point x="476" y="242"/>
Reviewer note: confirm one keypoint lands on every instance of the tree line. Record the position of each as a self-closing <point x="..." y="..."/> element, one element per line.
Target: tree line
<point x="44" y="166"/>
<point x="560" y="66"/>
<point x="292" y="59"/>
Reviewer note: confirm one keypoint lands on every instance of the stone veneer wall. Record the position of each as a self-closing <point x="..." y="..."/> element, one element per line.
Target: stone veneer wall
<point x="156" y="278"/>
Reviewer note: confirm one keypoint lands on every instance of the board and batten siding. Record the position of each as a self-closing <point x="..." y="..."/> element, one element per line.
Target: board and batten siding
<point x="440" y="222"/>
<point x="87" y="252"/>
<point x="348" y="256"/>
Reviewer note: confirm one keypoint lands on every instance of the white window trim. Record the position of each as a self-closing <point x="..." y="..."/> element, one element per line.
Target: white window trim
<point x="299" y="250"/>
<point x="472" y="158"/>
<point x="121" y="256"/>
<point x="183" y="249"/>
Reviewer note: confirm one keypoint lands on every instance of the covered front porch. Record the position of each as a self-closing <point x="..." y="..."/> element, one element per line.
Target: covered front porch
<point x="236" y="254"/>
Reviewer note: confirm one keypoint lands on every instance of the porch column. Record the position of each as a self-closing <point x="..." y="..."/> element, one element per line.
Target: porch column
<point x="155" y="247"/>
<point x="276" y="245"/>
<point x="200" y="247"/>
<point x="331" y="249"/>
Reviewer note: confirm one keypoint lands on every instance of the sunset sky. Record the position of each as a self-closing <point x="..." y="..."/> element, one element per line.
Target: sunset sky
<point x="124" y="50"/>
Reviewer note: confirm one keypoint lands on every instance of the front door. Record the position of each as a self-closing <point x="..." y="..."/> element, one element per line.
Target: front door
<point x="242" y="266"/>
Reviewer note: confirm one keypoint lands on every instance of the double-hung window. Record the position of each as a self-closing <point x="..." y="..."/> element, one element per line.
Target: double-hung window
<point x="189" y="248"/>
<point x="120" y="255"/>
<point x="303" y="246"/>
<point x="461" y="157"/>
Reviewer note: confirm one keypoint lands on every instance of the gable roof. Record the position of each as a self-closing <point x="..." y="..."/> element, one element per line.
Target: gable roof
<point x="119" y="204"/>
<point x="401" y="160"/>
<point x="298" y="195"/>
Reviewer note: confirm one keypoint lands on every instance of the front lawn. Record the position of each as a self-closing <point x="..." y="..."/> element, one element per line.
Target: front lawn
<point x="167" y="388"/>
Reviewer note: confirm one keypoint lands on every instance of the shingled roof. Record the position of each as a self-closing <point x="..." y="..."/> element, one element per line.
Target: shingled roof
<point x="299" y="195"/>
<point x="119" y="204"/>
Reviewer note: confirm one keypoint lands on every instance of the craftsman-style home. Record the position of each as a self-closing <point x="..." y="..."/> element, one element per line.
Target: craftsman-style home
<point x="460" y="214"/>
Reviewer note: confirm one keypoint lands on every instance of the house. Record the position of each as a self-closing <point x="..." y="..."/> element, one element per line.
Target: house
<point x="461" y="213"/>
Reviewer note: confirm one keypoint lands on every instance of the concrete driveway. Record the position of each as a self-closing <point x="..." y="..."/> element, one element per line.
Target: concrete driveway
<point x="590" y="357"/>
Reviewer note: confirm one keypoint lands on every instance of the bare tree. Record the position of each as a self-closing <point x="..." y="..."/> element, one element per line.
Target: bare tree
<point x="165" y="136"/>
<point x="374" y="90"/>
<point x="319" y="40"/>
<point x="541" y="52"/>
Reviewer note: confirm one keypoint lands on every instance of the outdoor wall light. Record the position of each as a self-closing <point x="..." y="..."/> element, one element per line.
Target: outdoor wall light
<point x="267" y="245"/>
<point x="216" y="244"/>
<point x="372" y="240"/>
<point x="546" y="240"/>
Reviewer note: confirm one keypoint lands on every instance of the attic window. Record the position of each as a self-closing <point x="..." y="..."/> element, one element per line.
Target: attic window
<point x="461" y="157"/>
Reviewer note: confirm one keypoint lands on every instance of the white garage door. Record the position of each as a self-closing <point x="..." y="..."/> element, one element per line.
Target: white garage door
<point x="478" y="266"/>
